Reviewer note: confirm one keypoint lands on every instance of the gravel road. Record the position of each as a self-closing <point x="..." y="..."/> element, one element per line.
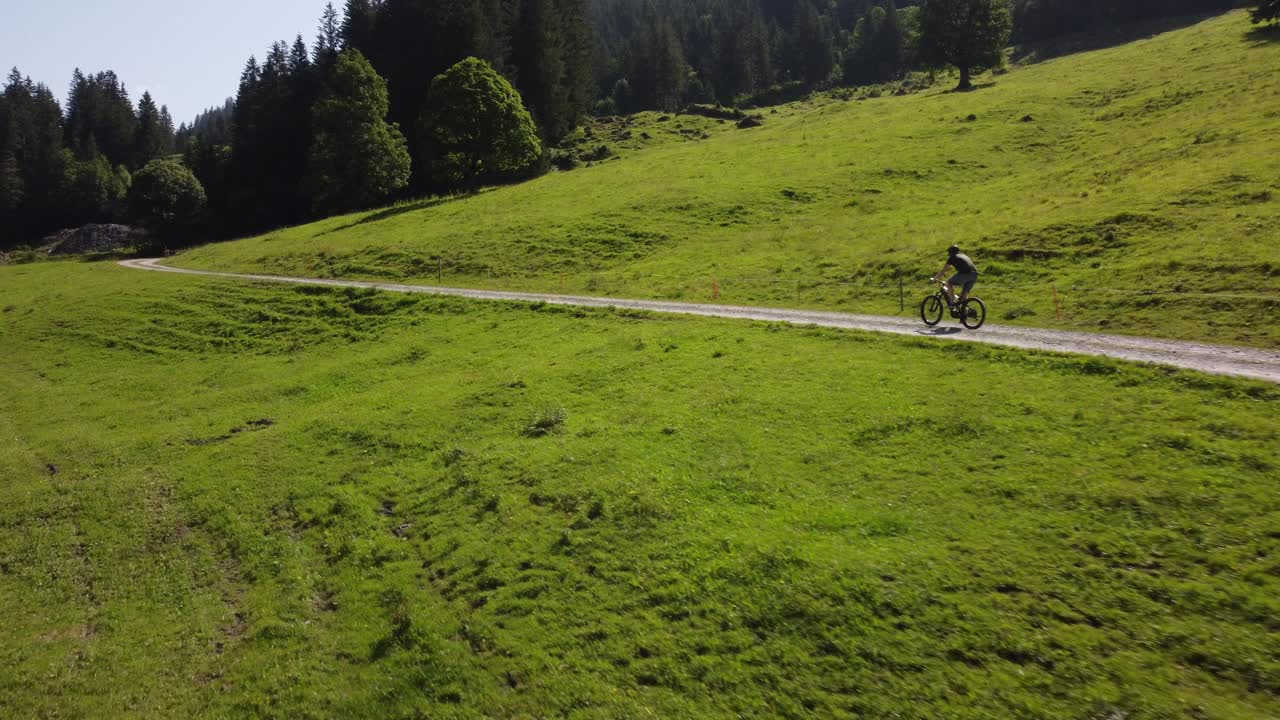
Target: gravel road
<point x="1215" y="359"/>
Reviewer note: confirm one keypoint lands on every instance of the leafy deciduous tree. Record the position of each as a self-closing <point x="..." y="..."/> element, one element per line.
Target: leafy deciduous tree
<point x="477" y="125"/>
<point x="166" y="197"/>
<point x="964" y="33"/>
<point x="358" y="159"/>
<point x="94" y="192"/>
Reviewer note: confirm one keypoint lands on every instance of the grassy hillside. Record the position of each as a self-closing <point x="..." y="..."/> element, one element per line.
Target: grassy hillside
<point x="228" y="500"/>
<point x="1143" y="184"/>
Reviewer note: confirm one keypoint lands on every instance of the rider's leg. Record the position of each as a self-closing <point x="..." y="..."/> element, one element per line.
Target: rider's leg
<point x="951" y="293"/>
<point x="964" y="293"/>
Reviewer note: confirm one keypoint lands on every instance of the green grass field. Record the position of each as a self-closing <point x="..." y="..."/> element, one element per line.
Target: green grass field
<point x="1144" y="186"/>
<point x="221" y="499"/>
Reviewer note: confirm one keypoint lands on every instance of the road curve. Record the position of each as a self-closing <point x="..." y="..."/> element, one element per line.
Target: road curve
<point x="1214" y="359"/>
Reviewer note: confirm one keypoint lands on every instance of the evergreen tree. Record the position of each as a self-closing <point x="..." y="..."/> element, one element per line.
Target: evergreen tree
<point x="11" y="186"/>
<point x="964" y="33"/>
<point x="358" y="19"/>
<point x="213" y="126"/>
<point x="876" y="48"/>
<point x="812" y="39"/>
<point x="151" y="139"/>
<point x="577" y="77"/>
<point x="211" y="164"/>
<point x="328" y="37"/>
<point x="477" y="126"/>
<point x="1266" y="11"/>
<point x="32" y="162"/>
<point x="101" y="118"/>
<point x="654" y="65"/>
<point x="538" y="50"/>
<point x="357" y="158"/>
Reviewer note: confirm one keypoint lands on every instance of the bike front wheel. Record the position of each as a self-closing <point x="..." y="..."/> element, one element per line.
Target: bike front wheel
<point x="973" y="314"/>
<point x="931" y="310"/>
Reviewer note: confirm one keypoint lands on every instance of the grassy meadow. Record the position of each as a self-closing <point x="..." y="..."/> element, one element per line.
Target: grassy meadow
<point x="223" y="499"/>
<point x="1140" y="180"/>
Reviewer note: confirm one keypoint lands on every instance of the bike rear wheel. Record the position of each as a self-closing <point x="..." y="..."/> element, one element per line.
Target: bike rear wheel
<point x="931" y="310"/>
<point x="973" y="314"/>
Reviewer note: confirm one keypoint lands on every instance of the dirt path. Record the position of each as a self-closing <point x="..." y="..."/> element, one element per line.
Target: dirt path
<point x="1216" y="359"/>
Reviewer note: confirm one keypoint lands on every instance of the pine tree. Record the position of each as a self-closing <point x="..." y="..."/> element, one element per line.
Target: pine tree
<point x="328" y="37"/>
<point x="11" y="187"/>
<point x="876" y="47"/>
<point x="151" y="140"/>
<point x="32" y="161"/>
<point x="814" y="53"/>
<point x="964" y="33"/>
<point x="1266" y="11"/>
<point x="538" y="53"/>
<point x="166" y="130"/>
<point x="576" y="80"/>
<point x="357" y="158"/>
<point x="100" y="118"/>
<point x="358" y="19"/>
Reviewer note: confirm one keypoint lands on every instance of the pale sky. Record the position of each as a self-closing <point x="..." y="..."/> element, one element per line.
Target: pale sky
<point x="187" y="54"/>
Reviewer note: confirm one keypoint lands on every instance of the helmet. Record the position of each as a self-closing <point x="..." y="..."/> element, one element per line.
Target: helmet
<point x="953" y="250"/>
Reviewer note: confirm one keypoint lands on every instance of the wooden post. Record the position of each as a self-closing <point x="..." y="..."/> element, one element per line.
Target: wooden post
<point x="1057" y="303"/>
<point x="902" y="294"/>
<point x="561" y="282"/>
<point x="715" y="289"/>
<point x="440" y="271"/>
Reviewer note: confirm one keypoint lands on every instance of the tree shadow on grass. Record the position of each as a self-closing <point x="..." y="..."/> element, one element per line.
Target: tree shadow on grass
<point x="975" y="87"/>
<point x="1263" y="35"/>
<point x="407" y="207"/>
<point x="1102" y="38"/>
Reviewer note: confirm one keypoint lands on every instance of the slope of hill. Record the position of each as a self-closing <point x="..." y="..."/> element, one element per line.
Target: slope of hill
<point x="1142" y="181"/>
<point x="220" y="499"/>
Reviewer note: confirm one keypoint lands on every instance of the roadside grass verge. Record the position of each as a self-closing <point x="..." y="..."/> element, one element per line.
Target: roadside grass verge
<point x="228" y="499"/>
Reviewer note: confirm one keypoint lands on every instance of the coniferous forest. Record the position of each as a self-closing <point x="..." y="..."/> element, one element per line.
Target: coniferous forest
<point x="272" y="155"/>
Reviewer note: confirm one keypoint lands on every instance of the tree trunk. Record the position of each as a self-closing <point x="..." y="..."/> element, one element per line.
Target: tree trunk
<point x="965" y="84"/>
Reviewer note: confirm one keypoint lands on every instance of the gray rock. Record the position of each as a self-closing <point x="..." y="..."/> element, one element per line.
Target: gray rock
<point x="91" y="239"/>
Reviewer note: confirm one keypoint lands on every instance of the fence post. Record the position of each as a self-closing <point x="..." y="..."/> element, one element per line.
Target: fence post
<point x="1057" y="303"/>
<point x="715" y="289"/>
<point x="440" y="272"/>
<point x="902" y="294"/>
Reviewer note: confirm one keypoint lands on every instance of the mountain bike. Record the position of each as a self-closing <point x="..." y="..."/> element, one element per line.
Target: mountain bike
<point x="972" y="314"/>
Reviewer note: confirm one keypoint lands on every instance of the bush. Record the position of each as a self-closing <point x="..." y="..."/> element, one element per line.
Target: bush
<point x="546" y="422"/>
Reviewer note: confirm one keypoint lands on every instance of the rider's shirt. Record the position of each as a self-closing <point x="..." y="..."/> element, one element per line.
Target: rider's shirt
<point x="962" y="263"/>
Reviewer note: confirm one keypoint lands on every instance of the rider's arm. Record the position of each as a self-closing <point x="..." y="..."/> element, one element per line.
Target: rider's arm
<point x="941" y="272"/>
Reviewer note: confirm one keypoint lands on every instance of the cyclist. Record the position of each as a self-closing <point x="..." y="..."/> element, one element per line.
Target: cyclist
<point x="966" y="275"/>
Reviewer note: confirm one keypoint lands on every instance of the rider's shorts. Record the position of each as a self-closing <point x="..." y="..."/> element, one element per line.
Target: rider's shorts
<point x="965" y="280"/>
